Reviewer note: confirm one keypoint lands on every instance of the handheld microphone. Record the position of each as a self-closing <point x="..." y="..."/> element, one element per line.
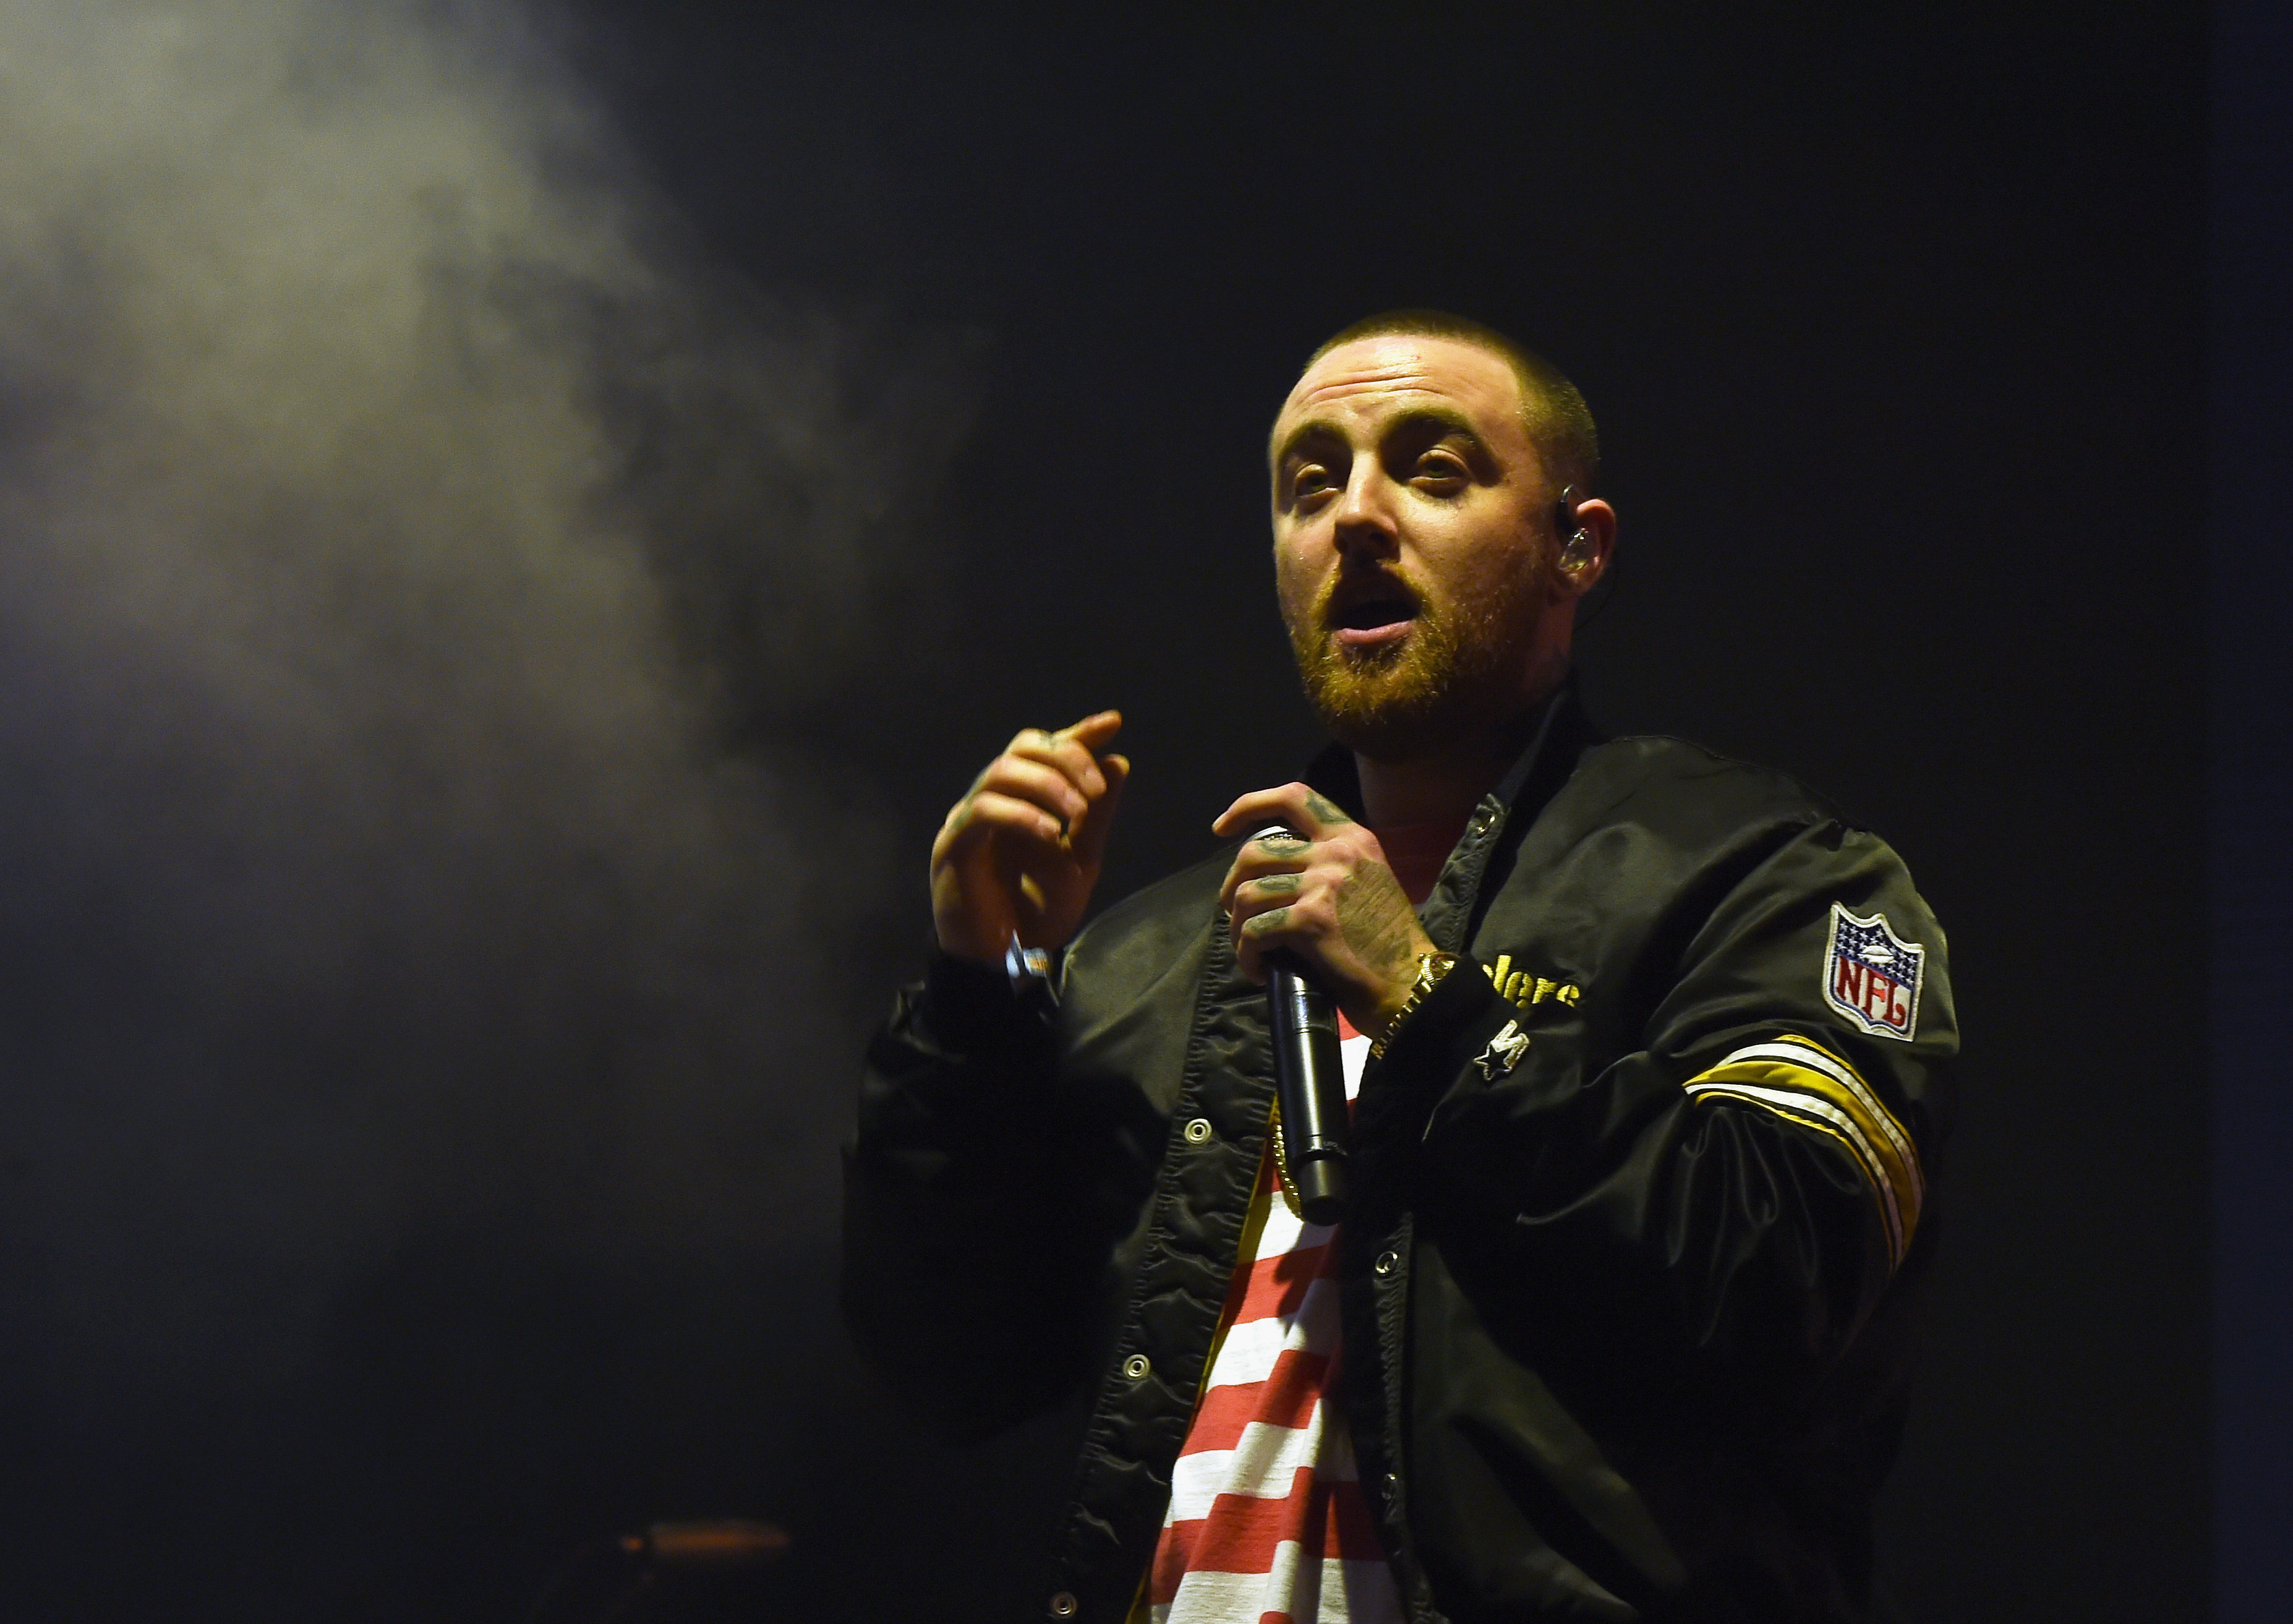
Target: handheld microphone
<point x="1310" y="1087"/>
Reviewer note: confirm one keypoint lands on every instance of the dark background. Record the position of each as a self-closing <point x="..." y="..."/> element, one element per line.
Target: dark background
<point x="1895" y="326"/>
<point x="2250" y="673"/>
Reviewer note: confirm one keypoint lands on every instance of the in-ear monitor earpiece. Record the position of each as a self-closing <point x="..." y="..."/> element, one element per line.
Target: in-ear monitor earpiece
<point x="1577" y="552"/>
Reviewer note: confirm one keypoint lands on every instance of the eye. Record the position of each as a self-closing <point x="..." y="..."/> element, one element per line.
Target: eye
<point x="1441" y="471"/>
<point x="1310" y="480"/>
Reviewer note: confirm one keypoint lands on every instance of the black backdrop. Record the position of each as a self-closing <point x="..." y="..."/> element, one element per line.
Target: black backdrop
<point x="1893" y="322"/>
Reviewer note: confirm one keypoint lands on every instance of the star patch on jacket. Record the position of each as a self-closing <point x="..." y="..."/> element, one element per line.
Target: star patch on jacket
<point x="1503" y="1052"/>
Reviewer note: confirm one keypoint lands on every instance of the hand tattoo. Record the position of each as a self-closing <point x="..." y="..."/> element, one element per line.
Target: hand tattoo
<point x="1259" y="924"/>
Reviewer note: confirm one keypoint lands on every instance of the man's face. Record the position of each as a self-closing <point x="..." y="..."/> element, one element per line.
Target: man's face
<point x="1414" y="552"/>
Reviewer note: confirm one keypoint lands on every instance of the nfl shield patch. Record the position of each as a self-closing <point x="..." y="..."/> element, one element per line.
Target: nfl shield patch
<point x="1872" y="976"/>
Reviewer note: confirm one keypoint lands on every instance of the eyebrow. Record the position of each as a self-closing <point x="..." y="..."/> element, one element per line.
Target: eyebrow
<point x="1417" y="416"/>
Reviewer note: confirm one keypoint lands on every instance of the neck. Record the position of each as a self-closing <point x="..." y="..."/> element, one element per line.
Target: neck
<point x="1447" y="784"/>
<point x="1429" y="790"/>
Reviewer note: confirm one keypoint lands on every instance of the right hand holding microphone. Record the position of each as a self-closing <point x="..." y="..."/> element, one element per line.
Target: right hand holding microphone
<point x="1020" y="853"/>
<point x="1321" y="888"/>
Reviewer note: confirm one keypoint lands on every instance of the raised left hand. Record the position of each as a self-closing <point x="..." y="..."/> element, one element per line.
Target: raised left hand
<point x="1327" y="894"/>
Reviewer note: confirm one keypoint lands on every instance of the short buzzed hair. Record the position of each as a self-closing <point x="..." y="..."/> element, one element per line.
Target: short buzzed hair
<point x="1559" y="424"/>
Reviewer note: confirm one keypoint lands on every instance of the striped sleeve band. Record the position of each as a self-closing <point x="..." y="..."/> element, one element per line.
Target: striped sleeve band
<point x="1798" y="1079"/>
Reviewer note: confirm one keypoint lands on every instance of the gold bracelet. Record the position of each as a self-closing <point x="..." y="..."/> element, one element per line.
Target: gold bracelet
<point x="1430" y="968"/>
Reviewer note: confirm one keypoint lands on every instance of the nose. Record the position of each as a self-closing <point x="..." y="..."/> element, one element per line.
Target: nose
<point x="1364" y="524"/>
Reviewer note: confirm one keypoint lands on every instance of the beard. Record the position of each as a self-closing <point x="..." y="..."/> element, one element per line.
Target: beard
<point x="1460" y="671"/>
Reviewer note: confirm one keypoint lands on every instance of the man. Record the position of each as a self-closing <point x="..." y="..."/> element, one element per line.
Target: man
<point x="1650" y="1049"/>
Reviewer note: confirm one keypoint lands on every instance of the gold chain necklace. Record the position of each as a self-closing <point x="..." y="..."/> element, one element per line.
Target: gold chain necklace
<point x="1281" y="1165"/>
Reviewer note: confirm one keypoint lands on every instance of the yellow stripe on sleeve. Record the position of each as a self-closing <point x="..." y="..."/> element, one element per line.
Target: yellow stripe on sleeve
<point x="1800" y="1080"/>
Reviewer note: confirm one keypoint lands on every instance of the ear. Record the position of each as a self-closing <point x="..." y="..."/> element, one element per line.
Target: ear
<point x="1583" y="562"/>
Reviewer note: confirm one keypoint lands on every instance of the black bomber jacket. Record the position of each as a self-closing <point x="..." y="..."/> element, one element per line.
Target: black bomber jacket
<point x="1626" y="1322"/>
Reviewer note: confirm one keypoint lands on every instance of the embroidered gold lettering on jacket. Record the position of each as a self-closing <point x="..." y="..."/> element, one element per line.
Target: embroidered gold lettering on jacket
<point x="1527" y="989"/>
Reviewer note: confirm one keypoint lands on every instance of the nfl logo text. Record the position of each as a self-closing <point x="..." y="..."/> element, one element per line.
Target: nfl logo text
<point x="1871" y="975"/>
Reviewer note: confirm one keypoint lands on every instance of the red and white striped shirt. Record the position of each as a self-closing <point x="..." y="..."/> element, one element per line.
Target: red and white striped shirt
<point x="1267" y="1523"/>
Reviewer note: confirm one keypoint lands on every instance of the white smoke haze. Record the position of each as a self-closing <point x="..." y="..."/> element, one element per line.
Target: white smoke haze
<point x="398" y="517"/>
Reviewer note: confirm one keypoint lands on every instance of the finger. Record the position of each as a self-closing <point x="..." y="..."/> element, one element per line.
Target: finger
<point x="1258" y="935"/>
<point x="1258" y="859"/>
<point x="1255" y="897"/>
<point x="1031" y="780"/>
<point x="1076" y="747"/>
<point x="1297" y="806"/>
<point x="988" y="812"/>
<point x="1269" y="926"/>
<point x="1086" y="839"/>
<point x="1095" y="731"/>
<point x="1261" y="807"/>
<point x="1274" y="850"/>
<point x="1269" y="853"/>
<point x="1064" y="754"/>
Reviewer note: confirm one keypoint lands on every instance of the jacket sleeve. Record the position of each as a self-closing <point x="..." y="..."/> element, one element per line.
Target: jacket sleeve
<point x="1753" y="1169"/>
<point x="966" y="1260"/>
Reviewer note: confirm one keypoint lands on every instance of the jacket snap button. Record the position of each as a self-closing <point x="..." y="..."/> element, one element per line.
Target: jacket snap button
<point x="1136" y="1367"/>
<point x="1387" y="1261"/>
<point x="1392" y="1486"/>
<point x="1198" y="1131"/>
<point x="1062" y="1605"/>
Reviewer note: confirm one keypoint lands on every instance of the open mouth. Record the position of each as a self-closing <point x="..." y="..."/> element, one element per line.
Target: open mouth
<point x="1374" y="611"/>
